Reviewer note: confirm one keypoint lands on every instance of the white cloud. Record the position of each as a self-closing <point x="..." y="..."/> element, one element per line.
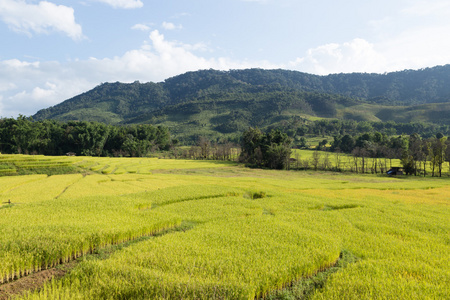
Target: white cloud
<point x="171" y="26"/>
<point x="357" y="55"/>
<point x="39" y="85"/>
<point x="6" y="86"/>
<point x="30" y="86"/>
<point x="127" y="4"/>
<point x="15" y="63"/>
<point x="418" y="48"/>
<point x="158" y="60"/>
<point x="413" y="37"/>
<point x="411" y="49"/>
<point x="44" y="17"/>
<point x="141" y="27"/>
<point x="37" y="95"/>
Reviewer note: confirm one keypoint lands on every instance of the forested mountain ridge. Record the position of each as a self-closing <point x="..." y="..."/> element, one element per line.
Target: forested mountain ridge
<point x="227" y="102"/>
<point x="406" y="87"/>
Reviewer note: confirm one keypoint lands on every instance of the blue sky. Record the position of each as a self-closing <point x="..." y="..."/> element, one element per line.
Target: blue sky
<point x="53" y="50"/>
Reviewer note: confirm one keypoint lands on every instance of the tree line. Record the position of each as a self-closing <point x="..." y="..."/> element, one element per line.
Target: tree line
<point x="414" y="152"/>
<point x="298" y="128"/>
<point x="205" y="149"/>
<point x="256" y="149"/>
<point x="48" y="137"/>
<point x="366" y="152"/>
<point x="371" y="152"/>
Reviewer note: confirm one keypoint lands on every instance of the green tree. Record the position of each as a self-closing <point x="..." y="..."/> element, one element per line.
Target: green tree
<point x="436" y="151"/>
<point x="251" y="147"/>
<point x="271" y="150"/>
<point x="276" y="149"/>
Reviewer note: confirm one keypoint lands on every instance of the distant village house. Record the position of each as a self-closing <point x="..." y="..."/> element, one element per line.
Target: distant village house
<point x="395" y="171"/>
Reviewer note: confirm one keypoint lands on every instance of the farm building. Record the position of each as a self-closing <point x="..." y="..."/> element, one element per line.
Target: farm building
<point x="395" y="171"/>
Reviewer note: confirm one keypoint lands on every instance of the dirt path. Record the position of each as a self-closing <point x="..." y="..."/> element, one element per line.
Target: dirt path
<point x="33" y="281"/>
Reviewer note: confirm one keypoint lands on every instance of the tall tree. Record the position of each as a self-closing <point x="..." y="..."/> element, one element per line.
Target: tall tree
<point x="271" y="150"/>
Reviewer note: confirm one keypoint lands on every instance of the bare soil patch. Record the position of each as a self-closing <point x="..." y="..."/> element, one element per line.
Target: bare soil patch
<point x="33" y="281"/>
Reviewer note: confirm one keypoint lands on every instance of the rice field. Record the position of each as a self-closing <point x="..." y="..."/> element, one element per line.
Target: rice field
<point x="126" y="165"/>
<point x="246" y="233"/>
<point x="14" y="164"/>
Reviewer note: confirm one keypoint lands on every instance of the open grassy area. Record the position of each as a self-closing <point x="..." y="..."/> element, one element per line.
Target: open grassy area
<point x="246" y="233"/>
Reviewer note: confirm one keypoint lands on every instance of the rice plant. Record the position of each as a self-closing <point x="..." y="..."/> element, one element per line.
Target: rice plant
<point x="253" y="232"/>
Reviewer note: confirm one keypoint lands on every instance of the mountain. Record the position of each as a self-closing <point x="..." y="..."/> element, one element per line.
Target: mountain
<point x="223" y="103"/>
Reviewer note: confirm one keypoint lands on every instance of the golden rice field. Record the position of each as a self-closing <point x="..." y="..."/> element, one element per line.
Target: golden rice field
<point x="246" y="233"/>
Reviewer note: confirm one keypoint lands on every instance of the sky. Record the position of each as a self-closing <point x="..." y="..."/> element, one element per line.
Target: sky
<point x="53" y="50"/>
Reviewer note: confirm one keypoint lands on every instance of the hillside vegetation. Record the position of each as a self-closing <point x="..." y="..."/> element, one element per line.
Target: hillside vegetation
<point x="224" y="103"/>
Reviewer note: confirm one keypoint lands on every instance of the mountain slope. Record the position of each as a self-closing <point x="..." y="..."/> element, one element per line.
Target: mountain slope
<point x="226" y="102"/>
